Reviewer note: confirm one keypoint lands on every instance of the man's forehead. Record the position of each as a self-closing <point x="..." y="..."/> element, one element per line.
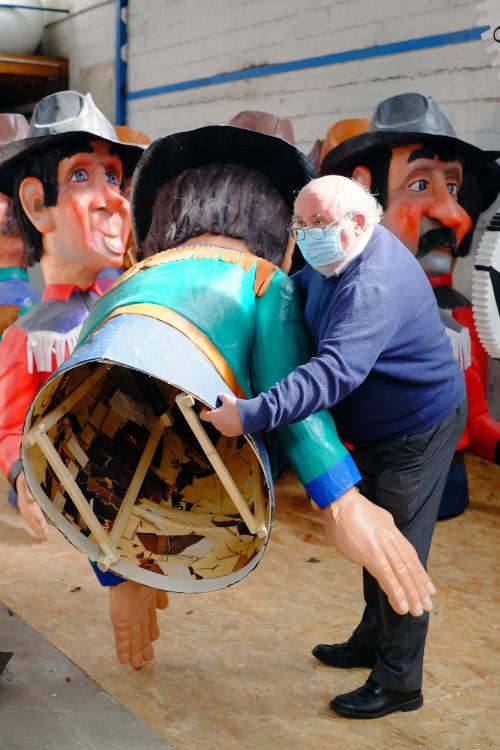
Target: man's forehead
<point x="313" y="199"/>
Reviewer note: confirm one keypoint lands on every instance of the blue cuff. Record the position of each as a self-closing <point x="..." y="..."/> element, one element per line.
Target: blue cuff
<point x="108" y="578"/>
<point x="330" y="485"/>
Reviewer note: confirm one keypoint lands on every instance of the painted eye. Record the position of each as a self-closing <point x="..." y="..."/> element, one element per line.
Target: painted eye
<point x="79" y="175"/>
<point x="112" y="178"/>
<point x="452" y="188"/>
<point x="419" y="186"/>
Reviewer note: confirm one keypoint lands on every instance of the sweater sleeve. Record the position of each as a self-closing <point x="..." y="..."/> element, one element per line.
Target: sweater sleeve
<point x="18" y="387"/>
<point x="362" y="324"/>
<point x="312" y="447"/>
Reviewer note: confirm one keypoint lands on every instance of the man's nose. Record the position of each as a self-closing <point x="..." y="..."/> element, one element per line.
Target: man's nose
<point x="445" y="209"/>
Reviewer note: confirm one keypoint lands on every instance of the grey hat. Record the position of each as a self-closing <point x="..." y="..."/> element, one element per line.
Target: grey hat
<point x="58" y="118"/>
<point x="412" y="118"/>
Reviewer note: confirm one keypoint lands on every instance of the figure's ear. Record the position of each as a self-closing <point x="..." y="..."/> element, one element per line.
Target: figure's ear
<point x="363" y="176"/>
<point x="31" y="196"/>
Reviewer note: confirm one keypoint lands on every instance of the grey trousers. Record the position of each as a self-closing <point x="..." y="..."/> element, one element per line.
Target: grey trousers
<point x="406" y="476"/>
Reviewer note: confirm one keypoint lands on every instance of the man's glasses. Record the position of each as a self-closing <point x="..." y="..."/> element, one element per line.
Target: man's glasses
<point x="299" y="233"/>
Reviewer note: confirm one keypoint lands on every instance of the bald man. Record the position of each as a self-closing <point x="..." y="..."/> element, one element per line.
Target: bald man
<point x="384" y="367"/>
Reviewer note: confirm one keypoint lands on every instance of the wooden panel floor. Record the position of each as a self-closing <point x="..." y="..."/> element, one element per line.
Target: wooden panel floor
<point x="233" y="669"/>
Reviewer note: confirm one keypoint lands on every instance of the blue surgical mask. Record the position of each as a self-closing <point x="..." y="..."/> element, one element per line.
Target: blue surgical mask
<point x="321" y="246"/>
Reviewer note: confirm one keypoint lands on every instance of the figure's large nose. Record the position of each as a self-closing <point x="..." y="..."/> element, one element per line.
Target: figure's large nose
<point x="106" y="196"/>
<point x="445" y="209"/>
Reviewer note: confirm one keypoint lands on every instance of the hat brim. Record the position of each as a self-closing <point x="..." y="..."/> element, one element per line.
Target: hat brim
<point x="285" y="165"/>
<point x="361" y="146"/>
<point x="13" y="153"/>
<point x="348" y="154"/>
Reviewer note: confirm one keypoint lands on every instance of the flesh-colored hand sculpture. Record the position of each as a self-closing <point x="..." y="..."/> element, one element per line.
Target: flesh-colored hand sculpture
<point x="132" y="609"/>
<point x="366" y="534"/>
<point x="30" y="510"/>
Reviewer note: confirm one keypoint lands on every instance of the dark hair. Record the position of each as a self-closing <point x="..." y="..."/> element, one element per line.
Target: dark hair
<point x="225" y="199"/>
<point x="45" y="165"/>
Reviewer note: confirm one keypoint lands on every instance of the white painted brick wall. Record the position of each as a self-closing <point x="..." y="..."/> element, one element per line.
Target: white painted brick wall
<point x="171" y="41"/>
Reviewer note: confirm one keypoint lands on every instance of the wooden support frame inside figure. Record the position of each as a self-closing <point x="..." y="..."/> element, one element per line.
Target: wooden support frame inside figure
<point x="433" y="187"/>
<point x="65" y="181"/>
<point x="206" y="311"/>
<point x="223" y="539"/>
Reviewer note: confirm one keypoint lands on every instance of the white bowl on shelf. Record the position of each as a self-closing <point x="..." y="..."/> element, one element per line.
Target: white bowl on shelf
<point x="21" y="29"/>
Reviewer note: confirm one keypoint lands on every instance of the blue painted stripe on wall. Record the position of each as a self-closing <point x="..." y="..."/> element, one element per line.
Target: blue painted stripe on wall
<point x="379" y="50"/>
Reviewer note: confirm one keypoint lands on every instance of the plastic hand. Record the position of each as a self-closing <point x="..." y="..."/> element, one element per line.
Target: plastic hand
<point x="30" y="510"/>
<point x="132" y="608"/>
<point x="366" y="534"/>
<point x="225" y="418"/>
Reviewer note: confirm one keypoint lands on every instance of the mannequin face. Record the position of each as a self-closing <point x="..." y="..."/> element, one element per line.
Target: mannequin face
<point x="11" y="242"/>
<point x="423" y="196"/>
<point x="90" y="223"/>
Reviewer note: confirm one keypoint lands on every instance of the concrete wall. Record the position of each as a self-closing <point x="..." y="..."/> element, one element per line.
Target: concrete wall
<point x="87" y="39"/>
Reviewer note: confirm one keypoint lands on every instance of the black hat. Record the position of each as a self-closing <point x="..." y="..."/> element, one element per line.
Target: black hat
<point x="413" y="118"/>
<point x="59" y="118"/>
<point x="286" y="167"/>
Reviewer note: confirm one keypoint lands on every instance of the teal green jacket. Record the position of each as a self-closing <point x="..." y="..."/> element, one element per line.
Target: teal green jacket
<point x="246" y="316"/>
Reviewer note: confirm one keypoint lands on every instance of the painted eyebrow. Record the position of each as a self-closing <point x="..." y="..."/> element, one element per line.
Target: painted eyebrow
<point x="421" y="153"/>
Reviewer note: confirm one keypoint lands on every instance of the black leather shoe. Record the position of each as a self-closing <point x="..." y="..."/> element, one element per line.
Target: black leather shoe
<point x="345" y="655"/>
<point x="372" y="701"/>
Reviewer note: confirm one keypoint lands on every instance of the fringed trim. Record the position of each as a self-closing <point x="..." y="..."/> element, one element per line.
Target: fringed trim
<point x="460" y="343"/>
<point x="42" y="346"/>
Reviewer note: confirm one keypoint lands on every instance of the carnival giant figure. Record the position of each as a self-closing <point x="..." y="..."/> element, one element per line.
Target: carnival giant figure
<point x="17" y="295"/>
<point x="432" y="187"/>
<point x="65" y="179"/>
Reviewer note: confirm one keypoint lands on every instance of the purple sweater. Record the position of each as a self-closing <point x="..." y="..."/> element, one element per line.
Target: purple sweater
<point x="383" y="366"/>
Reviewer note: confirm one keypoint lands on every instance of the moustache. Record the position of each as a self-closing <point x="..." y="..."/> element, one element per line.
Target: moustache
<point x="437" y="238"/>
<point x="9" y="226"/>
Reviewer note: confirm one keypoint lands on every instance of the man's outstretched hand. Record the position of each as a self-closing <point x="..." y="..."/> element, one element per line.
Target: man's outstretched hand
<point x="30" y="510"/>
<point x="366" y="534"/>
<point x="226" y="418"/>
<point x="132" y="608"/>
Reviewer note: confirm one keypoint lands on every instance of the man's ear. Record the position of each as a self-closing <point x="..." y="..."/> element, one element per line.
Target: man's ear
<point x="363" y="176"/>
<point x="31" y="195"/>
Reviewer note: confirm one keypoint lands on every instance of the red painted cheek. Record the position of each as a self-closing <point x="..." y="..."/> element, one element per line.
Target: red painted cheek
<point x="76" y="217"/>
<point x="404" y="220"/>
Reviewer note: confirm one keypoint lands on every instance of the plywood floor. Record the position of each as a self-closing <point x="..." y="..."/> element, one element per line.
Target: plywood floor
<point x="233" y="669"/>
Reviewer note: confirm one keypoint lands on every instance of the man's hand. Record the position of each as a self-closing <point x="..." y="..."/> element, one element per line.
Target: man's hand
<point x="30" y="510"/>
<point x="225" y="418"/>
<point x="132" y="609"/>
<point x="366" y="534"/>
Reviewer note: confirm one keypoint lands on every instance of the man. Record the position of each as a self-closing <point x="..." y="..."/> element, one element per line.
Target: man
<point x="432" y="187"/>
<point x="217" y="200"/>
<point x="65" y="180"/>
<point x="17" y="295"/>
<point x="396" y="395"/>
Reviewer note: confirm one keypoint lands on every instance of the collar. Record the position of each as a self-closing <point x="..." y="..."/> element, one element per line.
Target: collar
<point x="443" y="280"/>
<point x="13" y="272"/>
<point x="356" y="249"/>
<point x="64" y="291"/>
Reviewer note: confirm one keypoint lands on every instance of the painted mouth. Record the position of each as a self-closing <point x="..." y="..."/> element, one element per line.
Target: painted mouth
<point x="114" y="244"/>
